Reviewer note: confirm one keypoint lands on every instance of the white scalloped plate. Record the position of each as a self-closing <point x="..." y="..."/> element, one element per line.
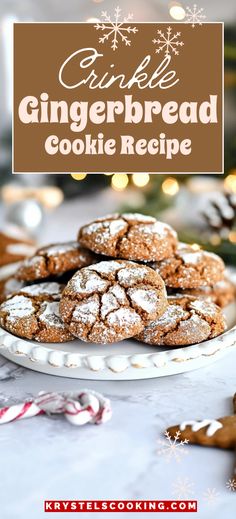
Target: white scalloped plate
<point x="126" y="360"/>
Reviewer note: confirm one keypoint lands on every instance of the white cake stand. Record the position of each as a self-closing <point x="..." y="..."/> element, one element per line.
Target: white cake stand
<point x="127" y="360"/>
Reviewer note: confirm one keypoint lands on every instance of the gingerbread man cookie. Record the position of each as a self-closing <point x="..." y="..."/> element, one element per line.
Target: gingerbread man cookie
<point x="213" y="433"/>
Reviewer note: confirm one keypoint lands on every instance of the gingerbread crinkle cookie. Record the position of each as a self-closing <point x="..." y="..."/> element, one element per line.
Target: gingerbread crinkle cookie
<point x="129" y="236"/>
<point x="112" y="300"/>
<point x="33" y="313"/>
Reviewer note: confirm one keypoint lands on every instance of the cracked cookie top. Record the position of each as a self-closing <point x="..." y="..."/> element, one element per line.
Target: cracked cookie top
<point x="33" y="313"/>
<point x="112" y="300"/>
<point x="189" y="268"/>
<point x="129" y="236"/>
<point x="54" y="259"/>
<point x="186" y="321"/>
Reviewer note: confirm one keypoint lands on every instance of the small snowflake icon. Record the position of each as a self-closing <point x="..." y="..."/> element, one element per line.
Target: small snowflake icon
<point x="168" y="42"/>
<point x="194" y="15"/>
<point x="183" y="488"/>
<point x="210" y="495"/>
<point x="231" y="484"/>
<point x="115" y="30"/>
<point x="172" y="448"/>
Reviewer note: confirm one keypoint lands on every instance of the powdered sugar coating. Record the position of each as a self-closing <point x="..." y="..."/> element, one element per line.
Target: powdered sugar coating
<point x="50" y="314"/>
<point x="109" y="301"/>
<point x="136" y="217"/>
<point x="116" y="226"/>
<point x="60" y="248"/>
<point x="172" y="313"/>
<point x="107" y="267"/>
<point x="88" y="311"/>
<point x="203" y="307"/>
<point x="88" y="283"/>
<point x="186" y="321"/>
<point x="42" y="289"/>
<point x="143" y="298"/>
<point x="18" y="307"/>
<point x="131" y="276"/>
<point x="129" y="236"/>
<point x="112" y="299"/>
<point x="191" y="258"/>
<point x="123" y="317"/>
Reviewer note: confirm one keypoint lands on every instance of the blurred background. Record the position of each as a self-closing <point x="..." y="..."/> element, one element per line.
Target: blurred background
<point x="51" y="207"/>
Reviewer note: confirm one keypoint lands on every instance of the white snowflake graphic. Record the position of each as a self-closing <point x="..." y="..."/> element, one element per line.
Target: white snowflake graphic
<point x="231" y="484"/>
<point x="194" y="15"/>
<point x="172" y="447"/>
<point x="115" y="30"/>
<point x="168" y="42"/>
<point x="183" y="488"/>
<point x="210" y="495"/>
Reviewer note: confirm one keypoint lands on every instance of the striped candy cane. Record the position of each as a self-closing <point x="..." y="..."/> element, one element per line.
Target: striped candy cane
<point x="78" y="408"/>
<point x="17" y="412"/>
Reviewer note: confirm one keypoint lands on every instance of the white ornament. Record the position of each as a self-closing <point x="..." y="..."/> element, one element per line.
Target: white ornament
<point x="27" y="214"/>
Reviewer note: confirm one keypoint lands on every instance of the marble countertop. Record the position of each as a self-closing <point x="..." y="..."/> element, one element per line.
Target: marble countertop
<point x="47" y="458"/>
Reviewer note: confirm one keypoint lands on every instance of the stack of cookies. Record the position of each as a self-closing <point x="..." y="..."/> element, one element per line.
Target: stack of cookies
<point x="126" y="276"/>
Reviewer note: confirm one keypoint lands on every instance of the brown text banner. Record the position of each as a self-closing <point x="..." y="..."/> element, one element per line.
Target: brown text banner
<point x="147" y="98"/>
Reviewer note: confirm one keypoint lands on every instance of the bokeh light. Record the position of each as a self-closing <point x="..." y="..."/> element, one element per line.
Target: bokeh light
<point x="230" y="182"/>
<point x="215" y="239"/>
<point x="140" y="179"/>
<point x="232" y="236"/>
<point x="50" y="197"/>
<point x="195" y="246"/>
<point x="170" y="186"/>
<point x="119" y="181"/>
<point x="176" y="11"/>
<point x="78" y="176"/>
